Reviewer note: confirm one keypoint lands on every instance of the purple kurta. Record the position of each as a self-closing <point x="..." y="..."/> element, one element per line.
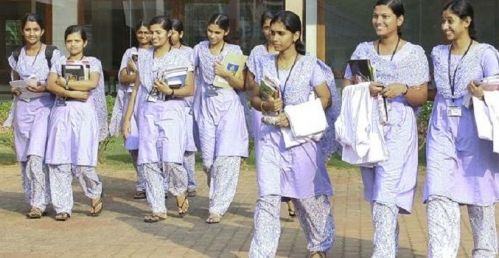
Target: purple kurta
<point x="394" y="181"/>
<point x="31" y="116"/>
<point x="220" y="118"/>
<point x="121" y="105"/>
<point x="460" y="166"/>
<point x="300" y="171"/>
<point x="74" y="129"/>
<point x="189" y="127"/>
<point x="251" y="63"/>
<point x="162" y="134"/>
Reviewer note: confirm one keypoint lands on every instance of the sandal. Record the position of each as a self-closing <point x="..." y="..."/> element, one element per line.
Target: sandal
<point x="35" y="213"/>
<point x="291" y="209"/>
<point x="139" y="195"/>
<point x="191" y="193"/>
<point x="63" y="216"/>
<point x="214" y="218"/>
<point x="96" y="207"/>
<point x="155" y="217"/>
<point x="183" y="208"/>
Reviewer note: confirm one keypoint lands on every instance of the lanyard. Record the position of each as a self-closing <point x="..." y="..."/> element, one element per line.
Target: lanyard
<point x="221" y="49"/>
<point x="394" y="51"/>
<point x="452" y="81"/>
<point x="289" y="74"/>
<point x="37" y="53"/>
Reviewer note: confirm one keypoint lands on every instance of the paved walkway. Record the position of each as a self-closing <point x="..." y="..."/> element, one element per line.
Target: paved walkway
<point x="120" y="232"/>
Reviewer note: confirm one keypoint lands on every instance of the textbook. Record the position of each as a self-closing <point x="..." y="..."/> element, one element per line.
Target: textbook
<point x="269" y="87"/>
<point x="73" y="71"/>
<point x="175" y="76"/>
<point x="362" y="70"/>
<point x="234" y="63"/>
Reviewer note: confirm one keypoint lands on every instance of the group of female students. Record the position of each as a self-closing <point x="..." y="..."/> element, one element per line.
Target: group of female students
<point x="57" y="130"/>
<point x="162" y="130"/>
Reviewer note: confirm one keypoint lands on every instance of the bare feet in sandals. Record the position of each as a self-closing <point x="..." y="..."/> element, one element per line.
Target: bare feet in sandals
<point x="35" y="213"/>
<point x="182" y="205"/>
<point x="214" y="218"/>
<point x="139" y="195"/>
<point x="155" y="217"/>
<point x="62" y="216"/>
<point x="96" y="207"/>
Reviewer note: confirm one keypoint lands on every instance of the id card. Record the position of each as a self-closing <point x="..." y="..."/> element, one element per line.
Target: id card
<point x="153" y="95"/>
<point x="152" y="98"/>
<point x="454" y="111"/>
<point x="60" y="102"/>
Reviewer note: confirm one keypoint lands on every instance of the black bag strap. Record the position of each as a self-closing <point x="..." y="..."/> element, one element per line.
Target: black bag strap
<point x="49" y="52"/>
<point x="16" y="53"/>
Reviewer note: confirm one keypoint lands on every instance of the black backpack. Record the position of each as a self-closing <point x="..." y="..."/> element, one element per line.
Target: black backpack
<point x="49" y="51"/>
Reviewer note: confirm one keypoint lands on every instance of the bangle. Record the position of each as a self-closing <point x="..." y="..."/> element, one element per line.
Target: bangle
<point x="173" y="92"/>
<point x="406" y="90"/>
<point x="261" y="106"/>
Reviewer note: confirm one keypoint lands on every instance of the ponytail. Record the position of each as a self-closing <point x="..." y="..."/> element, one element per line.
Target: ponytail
<point x="300" y="47"/>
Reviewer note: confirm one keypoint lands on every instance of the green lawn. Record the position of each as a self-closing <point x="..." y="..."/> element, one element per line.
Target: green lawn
<point x="116" y="156"/>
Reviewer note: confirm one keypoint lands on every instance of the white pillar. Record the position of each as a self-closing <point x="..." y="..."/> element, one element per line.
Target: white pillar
<point x="64" y="13"/>
<point x="311" y="27"/>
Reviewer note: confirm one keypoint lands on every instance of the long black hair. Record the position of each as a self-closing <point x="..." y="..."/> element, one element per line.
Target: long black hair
<point x="178" y="26"/>
<point x="463" y="9"/>
<point x="162" y="20"/>
<point x="265" y="16"/>
<point x="222" y="21"/>
<point x="397" y="8"/>
<point x="292" y="23"/>
<point x="136" y="28"/>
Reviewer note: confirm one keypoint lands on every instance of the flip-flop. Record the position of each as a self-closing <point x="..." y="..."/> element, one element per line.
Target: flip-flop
<point x="191" y="193"/>
<point x="63" y="216"/>
<point x="154" y="217"/>
<point x="139" y="195"/>
<point x="184" y="207"/>
<point x="96" y="208"/>
<point x="35" y="213"/>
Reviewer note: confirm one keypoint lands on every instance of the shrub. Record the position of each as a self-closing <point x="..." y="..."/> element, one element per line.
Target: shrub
<point x="423" y="118"/>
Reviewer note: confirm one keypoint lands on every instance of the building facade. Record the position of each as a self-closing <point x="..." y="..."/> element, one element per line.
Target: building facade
<point x="332" y="28"/>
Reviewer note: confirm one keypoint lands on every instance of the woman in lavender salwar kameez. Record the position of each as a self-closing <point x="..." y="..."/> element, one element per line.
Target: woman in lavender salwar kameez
<point x="31" y="115"/>
<point x="220" y="117"/>
<point x="297" y="172"/>
<point x="256" y="116"/>
<point x="127" y="76"/>
<point x="77" y="124"/>
<point x="461" y="168"/>
<point x="161" y="112"/>
<point x="402" y="74"/>
<point x="190" y="149"/>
